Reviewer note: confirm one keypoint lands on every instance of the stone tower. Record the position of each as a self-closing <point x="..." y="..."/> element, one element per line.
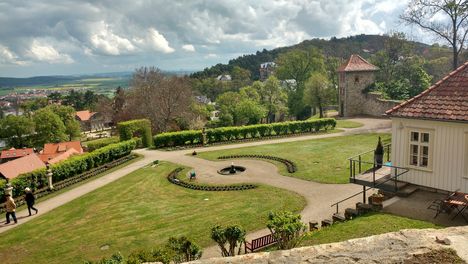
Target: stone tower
<point x="354" y="76"/>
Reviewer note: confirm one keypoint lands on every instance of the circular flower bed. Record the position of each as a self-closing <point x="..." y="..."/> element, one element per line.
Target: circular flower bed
<point x="290" y="166"/>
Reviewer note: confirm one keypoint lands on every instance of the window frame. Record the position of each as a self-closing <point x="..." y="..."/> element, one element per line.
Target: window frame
<point x="420" y="147"/>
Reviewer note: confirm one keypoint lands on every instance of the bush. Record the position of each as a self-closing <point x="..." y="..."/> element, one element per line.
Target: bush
<point x="99" y="143"/>
<point x="136" y="128"/>
<point x="73" y="166"/>
<point x="220" y="134"/>
<point x="287" y="228"/>
<point x="231" y="236"/>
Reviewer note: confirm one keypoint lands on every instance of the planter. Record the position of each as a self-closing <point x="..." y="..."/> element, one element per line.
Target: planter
<point x="377" y="199"/>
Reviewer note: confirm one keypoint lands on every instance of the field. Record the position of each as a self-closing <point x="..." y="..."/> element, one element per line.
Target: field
<point x="104" y="86"/>
<point x="138" y="211"/>
<point x="322" y="160"/>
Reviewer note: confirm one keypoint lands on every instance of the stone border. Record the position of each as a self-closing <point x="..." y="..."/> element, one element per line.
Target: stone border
<point x="290" y="166"/>
<point x="172" y="178"/>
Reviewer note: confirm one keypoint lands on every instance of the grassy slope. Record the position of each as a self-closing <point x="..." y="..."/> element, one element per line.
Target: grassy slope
<point x="137" y="211"/>
<point x="322" y="160"/>
<point x="348" y="124"/>
<point x="371" y="224"/>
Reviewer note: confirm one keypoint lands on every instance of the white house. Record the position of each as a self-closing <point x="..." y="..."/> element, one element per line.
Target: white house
<point x="430" y="134"/>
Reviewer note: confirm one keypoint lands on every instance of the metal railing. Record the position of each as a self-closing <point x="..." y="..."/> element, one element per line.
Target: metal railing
<point x="356" y="163"/>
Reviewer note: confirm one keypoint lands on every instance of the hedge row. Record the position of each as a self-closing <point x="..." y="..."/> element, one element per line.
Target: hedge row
<point x="100" y="143"/>
<point x="20" y="200"/>
<point x="172" y="177"/>
<point x="221" y="134"/>
<point x="73" y="166"/>
<point x="290" y="166"/>
<point x="136" y="128"/>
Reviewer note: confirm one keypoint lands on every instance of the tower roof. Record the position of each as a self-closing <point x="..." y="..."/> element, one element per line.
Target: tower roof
<point x="356" y="63"/>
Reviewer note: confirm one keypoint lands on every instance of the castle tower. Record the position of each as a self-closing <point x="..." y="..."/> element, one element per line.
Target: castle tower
<point x="354" y="76"/>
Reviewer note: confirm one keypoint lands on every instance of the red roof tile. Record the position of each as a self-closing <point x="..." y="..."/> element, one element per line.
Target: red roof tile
<point x="356" y="63"/>
<point x="15" y="153"/>
<point x="21" y="165"/>
<point x="84" y="115"/>
<point x="57" y="148"/>
<point x="63" y="156"/>
<point x="446" y="100"/>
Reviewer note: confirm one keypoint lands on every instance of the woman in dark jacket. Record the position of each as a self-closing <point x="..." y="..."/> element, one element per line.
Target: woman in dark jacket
<point x="30" y="199"/>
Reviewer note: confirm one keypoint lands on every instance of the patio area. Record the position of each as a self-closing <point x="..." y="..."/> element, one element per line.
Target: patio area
<point x="415" y="206"/>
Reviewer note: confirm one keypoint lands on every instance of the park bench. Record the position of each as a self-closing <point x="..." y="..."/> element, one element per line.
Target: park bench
<point x="258" y="243"/>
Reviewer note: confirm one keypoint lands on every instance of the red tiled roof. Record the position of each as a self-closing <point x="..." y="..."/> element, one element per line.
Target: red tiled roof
<point x="21" y="165"/>
<point x="63" y="156"/>
<point x="15" y="153"/>
<point x="57" y="148"/>
<point x="446" y="100"/>
<point x="356" y="63"/>
<point x="84" y="115"/>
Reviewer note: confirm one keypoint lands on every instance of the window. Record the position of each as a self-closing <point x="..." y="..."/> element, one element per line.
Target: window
<point x="356" y="79"/>
<point x="466" y="155"/>
<point x="419" y="149"/>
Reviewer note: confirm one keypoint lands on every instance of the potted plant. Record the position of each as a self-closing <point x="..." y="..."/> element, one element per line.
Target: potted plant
<point x="378" y="154"/>
<point x="377" y="199"/>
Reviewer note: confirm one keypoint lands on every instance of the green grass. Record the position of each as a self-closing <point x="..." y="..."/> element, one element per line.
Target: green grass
<point x="348" y="124"/>
<point x="138" y="211"/>
<point x="368" y="225"/>
<point x="322" y="160"/>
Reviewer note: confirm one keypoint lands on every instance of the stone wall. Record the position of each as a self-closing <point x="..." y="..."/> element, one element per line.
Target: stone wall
<point x="393" y="247"/>
<point x="355" y="102"/>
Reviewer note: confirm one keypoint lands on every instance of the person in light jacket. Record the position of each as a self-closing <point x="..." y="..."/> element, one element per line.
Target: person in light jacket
<point x="10" y="207"/>
<point x="30" y="199"/>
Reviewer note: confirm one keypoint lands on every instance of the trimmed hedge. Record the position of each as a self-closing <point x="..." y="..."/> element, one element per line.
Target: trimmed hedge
<point x="73" y="166"/>
<point x="172" y="177"/>
<point x="138" y="127"/>
<point x="221" y="134"/>
<point x="99" y="143"/>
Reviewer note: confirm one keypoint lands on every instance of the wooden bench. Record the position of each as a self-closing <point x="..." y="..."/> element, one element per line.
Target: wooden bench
<point x="260" y="242"/>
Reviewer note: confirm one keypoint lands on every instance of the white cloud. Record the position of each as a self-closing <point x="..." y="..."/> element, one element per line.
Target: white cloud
<point x="9" y="57"/>
<point x="46" y="53"/>
<point x="158" y="42"/>
<point x="106" y="42"/>
<point x="188" y="47"/>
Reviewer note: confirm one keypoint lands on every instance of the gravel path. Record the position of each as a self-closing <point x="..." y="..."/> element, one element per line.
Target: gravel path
<point x="319" y="196"/>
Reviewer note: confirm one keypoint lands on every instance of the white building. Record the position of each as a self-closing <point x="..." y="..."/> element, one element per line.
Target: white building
<point x="430" y="134"/>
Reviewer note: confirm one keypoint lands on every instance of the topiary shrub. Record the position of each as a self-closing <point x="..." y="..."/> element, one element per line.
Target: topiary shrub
<point x="140" y="128"/>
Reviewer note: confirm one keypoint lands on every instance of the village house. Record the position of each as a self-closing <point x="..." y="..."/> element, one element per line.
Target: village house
<point x="90" y="121"/>
<point x="266" y="70"/>
<point x="55" y="152"/>
<point x="11" y="154"/>
<point x="28" y="163"/>
<point x="430" y="134"/>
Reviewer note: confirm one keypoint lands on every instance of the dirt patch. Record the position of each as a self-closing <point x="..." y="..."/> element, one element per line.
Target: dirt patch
<point x="436" y="256"/>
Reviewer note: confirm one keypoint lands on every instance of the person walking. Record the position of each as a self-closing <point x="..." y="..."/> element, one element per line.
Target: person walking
<point x="30" y="199"/>
<point x="10" y="207"/>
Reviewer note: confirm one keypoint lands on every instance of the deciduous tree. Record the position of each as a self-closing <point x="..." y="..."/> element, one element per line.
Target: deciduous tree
<point x="49" y="127"/>
<point x="17" y="130"/>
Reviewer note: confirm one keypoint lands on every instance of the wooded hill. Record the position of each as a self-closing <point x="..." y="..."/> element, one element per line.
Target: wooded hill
<point x="364" y="45"/>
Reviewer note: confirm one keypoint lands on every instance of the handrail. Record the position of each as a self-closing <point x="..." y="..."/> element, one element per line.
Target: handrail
<point x="368" y="188"/>
<point x="369" y="151"/>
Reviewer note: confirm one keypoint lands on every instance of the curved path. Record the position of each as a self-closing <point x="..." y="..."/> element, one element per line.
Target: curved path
<point x="318" y="196"/>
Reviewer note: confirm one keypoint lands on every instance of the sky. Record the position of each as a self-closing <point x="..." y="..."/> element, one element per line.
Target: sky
<point x="58" y="37"/>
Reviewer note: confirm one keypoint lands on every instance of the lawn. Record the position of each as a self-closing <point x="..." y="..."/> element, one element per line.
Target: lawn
<point x="342" y="123"/>
<point x="138" y="211"/>
<point x="368" y="225"/>
<point x="322" y="160"/>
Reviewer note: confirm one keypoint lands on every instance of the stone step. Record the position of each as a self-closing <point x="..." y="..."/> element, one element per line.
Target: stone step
<point x="338" y="217"/>
<point x="363" y="208"/>
<point x="327" y="222"/>
<point x="351" y="213"/>
<point x="407" y="190"/>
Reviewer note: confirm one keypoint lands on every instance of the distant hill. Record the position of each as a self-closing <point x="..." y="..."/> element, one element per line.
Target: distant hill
<point x="364" y="45"/>
<point x="8" y="82"/>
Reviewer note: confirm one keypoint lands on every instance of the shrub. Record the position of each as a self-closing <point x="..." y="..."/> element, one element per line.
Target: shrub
<point x="233" y="235"/>
<point x="220" y="134"/>
<point x="287" y="228"/>
<point x="99" y="143"/>
<point x="73" y="166"/>
<point x="184" y="250"/>
<point x="136" y="128"/>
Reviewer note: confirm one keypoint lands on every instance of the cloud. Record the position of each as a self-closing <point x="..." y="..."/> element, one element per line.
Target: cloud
<point x="121" y="35"/>
<point x="188" y="47"/>
<point x="106" y="42"/>
<point x="42" y="52"/>
<point x="158" y="42"/>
